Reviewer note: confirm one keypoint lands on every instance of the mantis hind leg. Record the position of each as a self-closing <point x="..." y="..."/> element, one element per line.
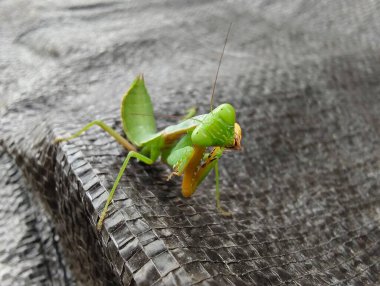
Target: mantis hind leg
<point x="131" y="154"/>
<point x="217" y="193"/>
<point x="121" y="140"/>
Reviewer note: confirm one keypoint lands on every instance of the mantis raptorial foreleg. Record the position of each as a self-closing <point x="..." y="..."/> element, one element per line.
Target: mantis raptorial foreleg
<point x="195" y="171"/>
<point x="122" y="141"/>
<point x="131" y="154"/>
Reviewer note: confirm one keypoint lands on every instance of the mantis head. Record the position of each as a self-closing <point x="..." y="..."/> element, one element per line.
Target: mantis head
<point x="218" y="128"/>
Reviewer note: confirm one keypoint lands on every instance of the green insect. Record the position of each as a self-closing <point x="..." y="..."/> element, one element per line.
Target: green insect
<point x="192" y="147"/>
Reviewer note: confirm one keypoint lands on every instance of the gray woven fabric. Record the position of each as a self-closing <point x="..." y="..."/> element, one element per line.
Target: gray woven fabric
<point x="304" y="191"/>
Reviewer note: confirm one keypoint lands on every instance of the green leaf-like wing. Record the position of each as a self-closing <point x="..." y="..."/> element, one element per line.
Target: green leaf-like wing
<point x="137" y="113"/>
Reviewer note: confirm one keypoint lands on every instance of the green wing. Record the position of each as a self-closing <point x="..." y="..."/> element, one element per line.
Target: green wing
<point x="137" y="114"/>
<point x="138" y="118"/>
<point x="184" y="126"/>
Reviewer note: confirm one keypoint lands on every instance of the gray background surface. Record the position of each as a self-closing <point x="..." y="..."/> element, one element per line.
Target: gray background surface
<point x="304" y="79"/>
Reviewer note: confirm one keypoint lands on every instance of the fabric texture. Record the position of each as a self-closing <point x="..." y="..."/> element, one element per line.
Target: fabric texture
<point x="303" y="77"/>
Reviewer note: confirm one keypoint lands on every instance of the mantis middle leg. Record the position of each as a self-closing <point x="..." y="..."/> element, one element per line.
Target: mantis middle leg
<point x="217" y="192"/>
<point x="131" y="154"/>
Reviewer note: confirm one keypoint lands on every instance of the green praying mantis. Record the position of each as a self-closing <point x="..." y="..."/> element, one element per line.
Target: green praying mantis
<point x="192" y="147"/>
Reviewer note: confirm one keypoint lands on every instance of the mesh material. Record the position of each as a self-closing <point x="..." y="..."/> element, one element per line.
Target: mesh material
<point x="304" y="192"/>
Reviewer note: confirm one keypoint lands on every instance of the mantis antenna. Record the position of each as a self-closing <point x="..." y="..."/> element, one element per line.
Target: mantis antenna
<point x="217" y="71"/>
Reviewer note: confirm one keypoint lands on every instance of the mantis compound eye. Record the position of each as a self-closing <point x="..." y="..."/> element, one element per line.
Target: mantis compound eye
<point x="237" y="135"/>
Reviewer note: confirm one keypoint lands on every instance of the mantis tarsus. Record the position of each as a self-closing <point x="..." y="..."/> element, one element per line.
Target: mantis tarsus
<point x="192" y="147"/>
